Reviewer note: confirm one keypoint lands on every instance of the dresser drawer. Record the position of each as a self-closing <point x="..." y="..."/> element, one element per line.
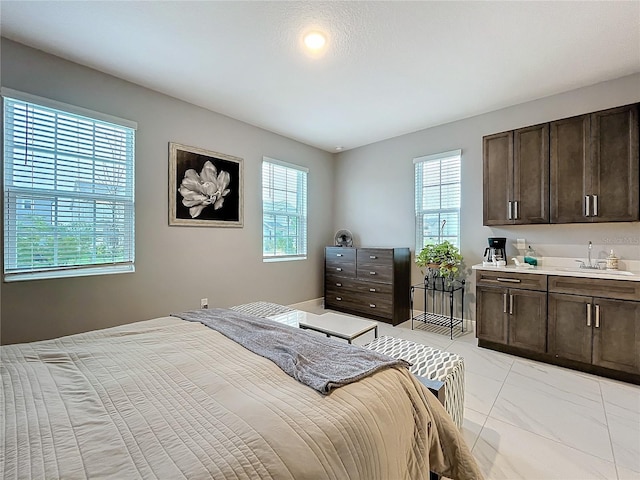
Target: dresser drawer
<point x="376" y="273"/>
<point x="345" y="270"/>
<point x="368" y="288"/>
<point x="335" y="281"/>
<point x="372" y="304"/>
<point x="340" y="254"/>
<point x="525" y="281"/>
<point x="375" y="256"/>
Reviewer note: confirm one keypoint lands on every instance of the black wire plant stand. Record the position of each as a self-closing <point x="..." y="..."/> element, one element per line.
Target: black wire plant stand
<point x="440" y="290"/>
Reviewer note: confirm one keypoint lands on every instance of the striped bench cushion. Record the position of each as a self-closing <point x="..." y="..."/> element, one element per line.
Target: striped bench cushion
<point x="262" y="309"/>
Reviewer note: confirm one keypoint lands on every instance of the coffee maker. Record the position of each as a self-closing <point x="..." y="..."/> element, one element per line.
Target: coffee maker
<point x="496" y="251"/>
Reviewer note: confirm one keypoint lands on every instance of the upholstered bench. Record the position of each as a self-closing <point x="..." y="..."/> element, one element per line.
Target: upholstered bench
<point x="262" y="309"/>
<point x="430" y="363"/>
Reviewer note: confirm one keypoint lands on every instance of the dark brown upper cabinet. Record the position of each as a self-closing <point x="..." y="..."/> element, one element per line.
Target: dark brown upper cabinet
<point x="595" y="167"/>
<point x="516" y="176"/>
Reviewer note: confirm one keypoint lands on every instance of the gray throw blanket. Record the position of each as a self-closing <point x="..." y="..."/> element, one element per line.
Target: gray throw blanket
<point x="319" y="362"/>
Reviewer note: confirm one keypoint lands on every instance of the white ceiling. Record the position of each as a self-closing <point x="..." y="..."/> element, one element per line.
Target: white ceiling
<point x="390" y="67"/>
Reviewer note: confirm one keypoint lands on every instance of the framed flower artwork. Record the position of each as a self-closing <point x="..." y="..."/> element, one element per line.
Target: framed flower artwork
<point x="205" y="188"/>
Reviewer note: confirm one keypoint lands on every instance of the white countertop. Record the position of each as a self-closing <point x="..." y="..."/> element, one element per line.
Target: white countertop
<point x="568" y="267"/>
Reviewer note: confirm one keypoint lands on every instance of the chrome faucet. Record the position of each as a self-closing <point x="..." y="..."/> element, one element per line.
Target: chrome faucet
<point x="590" y="264"/>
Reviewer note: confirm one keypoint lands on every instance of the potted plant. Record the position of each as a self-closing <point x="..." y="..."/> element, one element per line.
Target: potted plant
<point x="443" y="257"/>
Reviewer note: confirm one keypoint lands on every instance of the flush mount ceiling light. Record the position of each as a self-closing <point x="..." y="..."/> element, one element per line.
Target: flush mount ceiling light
<point x="315" y="41"/>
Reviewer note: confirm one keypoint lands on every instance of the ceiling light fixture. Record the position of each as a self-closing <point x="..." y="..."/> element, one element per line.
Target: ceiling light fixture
<point x="315" y="41"/>
<point x="339" y="149"/>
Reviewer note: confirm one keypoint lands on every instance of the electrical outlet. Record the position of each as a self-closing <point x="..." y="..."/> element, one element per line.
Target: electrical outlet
<point x="521" y="244"/>
<point x="204" y="303"/>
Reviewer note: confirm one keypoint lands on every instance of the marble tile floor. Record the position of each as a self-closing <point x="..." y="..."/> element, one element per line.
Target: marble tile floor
<point x="529" y="420"/>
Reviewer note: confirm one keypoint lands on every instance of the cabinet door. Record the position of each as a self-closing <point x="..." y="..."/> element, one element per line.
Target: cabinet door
<point x="614" y="165"/>
<point x="569" y="328"/>
<point x="531" y="174"/>
<point x="497" y="172"/>
<point x="491" y="318"/>
<point x="616" y="335"/>
<point x="528" y="320"/>
<point x="569" y="169"/>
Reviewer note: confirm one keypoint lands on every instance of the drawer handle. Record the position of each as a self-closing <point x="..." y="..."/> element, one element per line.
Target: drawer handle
<point x="339" y="299"/>
<point x="509" y="280"/>
<point x="338" y="284"/>
<point x="588" y="314"/>
<point x="597" y="316"/>
<point x="372" y="305"/>
<point x="339" y="269"/>
<point x="372" y="273"/>
<point x="372" y="257"/>
<point x="338" y="255"/>
<point x="372" y="289"/>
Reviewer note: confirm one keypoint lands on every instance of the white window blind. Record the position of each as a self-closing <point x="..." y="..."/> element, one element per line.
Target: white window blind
<point x="437" y="184"/>
<point x="68" y="191"/>
<point x="284" y="210"/>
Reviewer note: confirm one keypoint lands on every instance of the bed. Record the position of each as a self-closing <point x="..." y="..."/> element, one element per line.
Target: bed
<point x="169" y="398"/>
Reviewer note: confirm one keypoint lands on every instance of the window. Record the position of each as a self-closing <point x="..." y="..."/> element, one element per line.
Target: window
<point x="438" y="198"/>
<point x="68" y="190"/>
<point x="284" y="210"/>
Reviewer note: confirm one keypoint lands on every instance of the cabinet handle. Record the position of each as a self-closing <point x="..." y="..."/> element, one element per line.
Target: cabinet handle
<point x="372" y="305"/>
<point x="338" y="255"/>
<point x="587" y="210"/>
<point x="372" y="257"/>
<point x="339" y="269"/>
<point x="509" y="210"/>
<point x="504" y="303"/>
<point x="597" y="316"/>
<point x="595" y="205"/>
<point x="338" y="284"/>
<point x="372" y="289"/>
<point x="372" y="273"/>
<point x="509" y="280"/>
<point x="339" y="299"/>
<point x="588" y="314"/>
<point x="516" y="209"/>
<point x="510" y="304"/>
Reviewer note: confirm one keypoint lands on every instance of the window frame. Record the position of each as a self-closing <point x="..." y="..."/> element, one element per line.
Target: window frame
<point x="301" y="213"/>
<point x="11" y="193"/>
<point x="420" y="212"/>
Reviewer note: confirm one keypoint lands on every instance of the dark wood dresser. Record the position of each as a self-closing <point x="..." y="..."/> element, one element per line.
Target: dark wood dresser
<point x="370" y="282"/>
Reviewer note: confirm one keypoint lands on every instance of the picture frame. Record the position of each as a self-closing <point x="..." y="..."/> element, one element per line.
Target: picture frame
<point x="205" y="187"/>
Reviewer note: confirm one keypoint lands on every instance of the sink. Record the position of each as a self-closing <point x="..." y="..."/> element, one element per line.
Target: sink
<point x="594" y="271"/>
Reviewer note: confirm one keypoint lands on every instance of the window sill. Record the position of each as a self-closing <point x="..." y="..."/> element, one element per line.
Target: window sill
<point x="282" y="259"/>
<point x="80" y="272"/>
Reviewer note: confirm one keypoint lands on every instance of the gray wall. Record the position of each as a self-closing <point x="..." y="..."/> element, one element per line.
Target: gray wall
<point x="175" y="266"/>
<point x="374" y="186"/>
<point x="372" y="196"/>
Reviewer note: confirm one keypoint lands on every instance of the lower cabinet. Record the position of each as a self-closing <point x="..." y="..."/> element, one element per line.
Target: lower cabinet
<point x="512" y="316"/>
<point x="586" y="324"/>
<point x="600" y="331"/>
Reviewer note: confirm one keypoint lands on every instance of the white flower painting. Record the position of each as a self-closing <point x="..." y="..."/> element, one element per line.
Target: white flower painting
<point x="205" y="188"/>
<point x="208" y="188"/>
